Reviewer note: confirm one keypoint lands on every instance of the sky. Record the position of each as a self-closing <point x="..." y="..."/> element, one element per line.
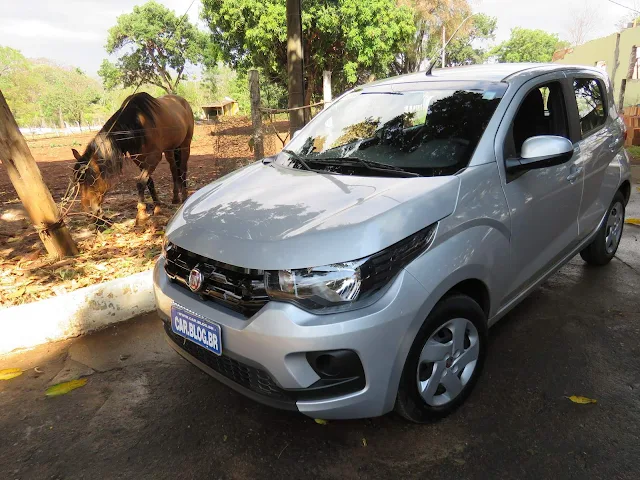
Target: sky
<point x="74" y="32"/>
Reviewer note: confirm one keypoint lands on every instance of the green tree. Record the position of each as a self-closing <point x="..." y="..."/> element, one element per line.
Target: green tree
<point x="110" y="75"/>
<point x="429" y="16"/>
<point x="155" y="47"/>
<point x="69" y="95"/>
<point x="461" y="50"/>
<point x="527" y="46"/>
<point x="352" y="39"/>
<point x="19" y="85"/>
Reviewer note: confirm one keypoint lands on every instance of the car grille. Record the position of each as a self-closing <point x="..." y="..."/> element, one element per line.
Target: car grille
<point x="237" y="288"/>
<point x="249" y="377"/>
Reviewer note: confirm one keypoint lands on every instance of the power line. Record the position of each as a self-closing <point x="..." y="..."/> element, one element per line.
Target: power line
<point x="624" y="6"/>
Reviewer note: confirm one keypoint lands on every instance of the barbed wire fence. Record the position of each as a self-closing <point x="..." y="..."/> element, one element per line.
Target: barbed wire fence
<point x="260" y="112"/>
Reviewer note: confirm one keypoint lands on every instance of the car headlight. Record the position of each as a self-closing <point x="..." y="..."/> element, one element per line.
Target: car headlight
<point x="347" y="285"/>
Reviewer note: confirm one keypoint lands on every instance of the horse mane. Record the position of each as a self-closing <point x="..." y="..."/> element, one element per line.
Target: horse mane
<point x="123" y="133"/>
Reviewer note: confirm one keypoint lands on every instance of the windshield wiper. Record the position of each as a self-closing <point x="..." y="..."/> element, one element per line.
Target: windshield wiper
<point x="297" y="157"/>
<point x="376" y="166"/>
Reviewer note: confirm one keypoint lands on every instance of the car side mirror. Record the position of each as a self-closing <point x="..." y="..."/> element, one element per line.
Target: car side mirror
<point x="541" y="152"/>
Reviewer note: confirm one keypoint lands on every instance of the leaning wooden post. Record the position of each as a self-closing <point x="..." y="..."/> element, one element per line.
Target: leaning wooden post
<point x="32" y="191"/>
<point x="633" y="58"/>
<point x="326" y="88"/>
<point x="256" y="114"/>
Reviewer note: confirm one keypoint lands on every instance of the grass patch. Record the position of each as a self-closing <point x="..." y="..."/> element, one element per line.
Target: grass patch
<point x="634" y="151"/>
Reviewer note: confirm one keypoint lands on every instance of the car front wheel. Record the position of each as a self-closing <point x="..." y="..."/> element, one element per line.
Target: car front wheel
<point x="445" y="360"/>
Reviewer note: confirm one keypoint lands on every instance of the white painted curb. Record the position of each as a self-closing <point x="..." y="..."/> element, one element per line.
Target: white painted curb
<point x="77" y="312"/>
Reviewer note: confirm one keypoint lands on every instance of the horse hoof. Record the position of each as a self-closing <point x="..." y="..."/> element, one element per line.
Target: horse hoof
<point x="141" y="220"/>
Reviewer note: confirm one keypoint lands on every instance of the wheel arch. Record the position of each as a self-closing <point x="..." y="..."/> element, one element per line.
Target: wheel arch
<point x="625" y="189"/>
<point x="475" y="289"/>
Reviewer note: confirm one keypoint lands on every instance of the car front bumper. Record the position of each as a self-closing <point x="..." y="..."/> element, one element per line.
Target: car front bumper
<point x="265" y="356"/>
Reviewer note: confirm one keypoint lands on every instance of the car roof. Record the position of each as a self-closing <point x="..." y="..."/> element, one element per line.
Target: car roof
<point x="497" y="72"/>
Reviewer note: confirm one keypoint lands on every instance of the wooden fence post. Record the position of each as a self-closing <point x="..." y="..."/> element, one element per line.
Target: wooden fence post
<point x="33" y="193"/>
<point x="256" y="115"/>
<point x="326" y="88"/>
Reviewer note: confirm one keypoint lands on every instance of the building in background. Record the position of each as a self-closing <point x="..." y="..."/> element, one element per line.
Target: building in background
<point x="617" y="55"/>
<point x="222" y="108"/>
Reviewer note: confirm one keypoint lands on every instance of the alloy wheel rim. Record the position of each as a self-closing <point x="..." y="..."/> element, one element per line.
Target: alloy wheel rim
<point x="614" y="228"/>
<point x="447" y="361"/>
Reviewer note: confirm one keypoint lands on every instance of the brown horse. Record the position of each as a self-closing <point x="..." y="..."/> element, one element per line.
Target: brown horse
<point x="142" y="129"/>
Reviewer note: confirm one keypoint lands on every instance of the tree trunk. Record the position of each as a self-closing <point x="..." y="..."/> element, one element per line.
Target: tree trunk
<point x="256" y="115"/>
<point x="294" y="65"/>
<point x="34" y="194"/>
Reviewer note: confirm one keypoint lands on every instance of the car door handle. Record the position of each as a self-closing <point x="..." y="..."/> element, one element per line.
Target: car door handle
<point x="573" y="176"/>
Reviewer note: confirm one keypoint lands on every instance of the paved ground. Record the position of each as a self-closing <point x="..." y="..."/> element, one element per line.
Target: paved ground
<point x="146" y="413"/>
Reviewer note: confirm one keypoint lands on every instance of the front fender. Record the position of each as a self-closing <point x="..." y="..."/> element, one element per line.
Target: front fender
<point x="480" y="253"/>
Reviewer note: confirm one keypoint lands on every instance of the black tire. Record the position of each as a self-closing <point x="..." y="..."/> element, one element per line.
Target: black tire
<point x="409" y="402"/>
<point x="596" y="252"/>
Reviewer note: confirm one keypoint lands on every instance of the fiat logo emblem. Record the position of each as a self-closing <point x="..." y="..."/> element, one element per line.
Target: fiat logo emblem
<point x="196" y="279"/>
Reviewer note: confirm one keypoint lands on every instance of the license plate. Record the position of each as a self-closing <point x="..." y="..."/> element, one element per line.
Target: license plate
<point x="197" y="329"/>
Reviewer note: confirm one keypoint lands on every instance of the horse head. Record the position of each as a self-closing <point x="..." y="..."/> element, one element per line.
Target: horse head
<point x="89" y="174"/>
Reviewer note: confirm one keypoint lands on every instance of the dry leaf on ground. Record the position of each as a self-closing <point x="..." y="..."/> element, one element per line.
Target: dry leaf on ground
<point x="320" y="421"/>
<point x="582" y="400"/>
<point x="66" y="387"/>
<point x="633" y="221"/>
<point x="9" y="373"/>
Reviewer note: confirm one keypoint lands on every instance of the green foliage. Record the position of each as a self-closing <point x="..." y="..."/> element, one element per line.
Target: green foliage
<point x="461" y="50"/>
<point x="527" y="46"/>
<point x="155" y="47"/>
<point x="69" y="95"/>
<point x="110" y="74"/>
<point x="18" y="85"/>
<point x="40" y="93"/>
<point x="352" y="39"/>
<point x="429" y="16"/>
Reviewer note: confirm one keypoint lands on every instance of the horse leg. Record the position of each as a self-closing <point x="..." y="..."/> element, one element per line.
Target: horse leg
<point x="141" y="183"/>
<point x="147" y="166"/>
<point x="168" y="154"/>
<point x="185" y="151"/>
<point x="154" y="196"/>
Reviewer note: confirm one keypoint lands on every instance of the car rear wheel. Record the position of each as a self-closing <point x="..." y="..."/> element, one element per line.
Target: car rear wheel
<point x="445" y="360"/>
<point x="605" y="244"/>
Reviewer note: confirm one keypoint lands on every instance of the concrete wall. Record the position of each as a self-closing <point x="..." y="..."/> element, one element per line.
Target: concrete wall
<point x="604" y="49"/>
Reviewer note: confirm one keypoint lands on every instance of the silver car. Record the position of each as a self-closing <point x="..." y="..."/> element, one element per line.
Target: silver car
<point x="358" y="271"/>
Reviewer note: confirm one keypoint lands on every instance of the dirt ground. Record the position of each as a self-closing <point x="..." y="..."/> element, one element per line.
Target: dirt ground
<point x="25" y="272"/>
<point x="146" y="413"/>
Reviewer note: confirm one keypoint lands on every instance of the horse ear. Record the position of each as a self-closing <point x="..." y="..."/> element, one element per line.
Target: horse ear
<point x="76" y="154"/>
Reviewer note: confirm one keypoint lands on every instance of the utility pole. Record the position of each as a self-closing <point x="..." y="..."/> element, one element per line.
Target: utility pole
<point x="294" y="65"/>
<point x="32" y="191"/>
<point x="444" y="42"/>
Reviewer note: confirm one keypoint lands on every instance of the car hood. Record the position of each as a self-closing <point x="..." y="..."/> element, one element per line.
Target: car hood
<point x="270" y="217"/>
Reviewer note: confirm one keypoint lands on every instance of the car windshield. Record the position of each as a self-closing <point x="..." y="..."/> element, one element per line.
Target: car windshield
<point x="428" y="131"/>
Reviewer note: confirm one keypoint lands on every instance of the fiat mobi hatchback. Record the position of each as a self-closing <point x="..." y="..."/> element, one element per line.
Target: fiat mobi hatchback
<point x="358" y="270"/>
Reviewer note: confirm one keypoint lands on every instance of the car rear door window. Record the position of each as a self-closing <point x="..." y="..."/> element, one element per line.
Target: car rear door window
<point x="590" y="99"/>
